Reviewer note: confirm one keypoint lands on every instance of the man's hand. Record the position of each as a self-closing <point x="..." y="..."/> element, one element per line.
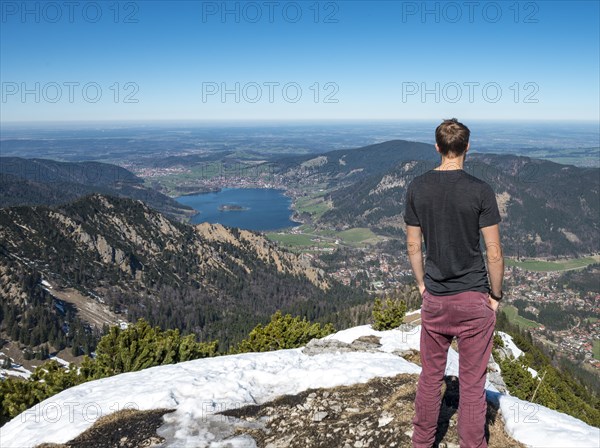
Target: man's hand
<point x="495" y="259"/>
<point x="414" y="238"/>
<point x="493" y="303"/>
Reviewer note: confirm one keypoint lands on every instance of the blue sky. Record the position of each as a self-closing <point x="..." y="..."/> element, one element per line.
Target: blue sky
<point x="152" y="60"/>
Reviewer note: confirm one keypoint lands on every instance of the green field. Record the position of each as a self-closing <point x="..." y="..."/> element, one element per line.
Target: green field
<point x="513" y="316"/>
<point x="596" y="350"/>
<point x="315" y="206"/>
<point x="296" y="240"/>
<point x="357" y="235"/>
<point x="541" y="266"/>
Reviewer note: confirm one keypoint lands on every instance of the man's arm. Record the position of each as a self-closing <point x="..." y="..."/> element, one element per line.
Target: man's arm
<point x="415" y="255"/>
<point x="495" y="260"/>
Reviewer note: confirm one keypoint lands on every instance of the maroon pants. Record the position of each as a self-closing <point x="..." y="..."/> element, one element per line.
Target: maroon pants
<point x="469" y="317"/>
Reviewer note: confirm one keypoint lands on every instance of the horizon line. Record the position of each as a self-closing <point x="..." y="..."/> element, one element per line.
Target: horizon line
<point x="288" y="120"/>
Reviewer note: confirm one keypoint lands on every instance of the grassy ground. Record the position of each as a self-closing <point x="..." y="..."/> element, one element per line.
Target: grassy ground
<point x="357" y="235"/>
<point x="596" y="350"/>
<point x="513" y="316"/>
<point x="297" y="241"/>
<point x="315" y="205"/>
<point x="541" y="266"/>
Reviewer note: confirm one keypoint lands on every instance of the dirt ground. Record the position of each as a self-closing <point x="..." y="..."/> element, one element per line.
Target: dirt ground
<point x="124" y="429"/>
<point x="376" y="414"/>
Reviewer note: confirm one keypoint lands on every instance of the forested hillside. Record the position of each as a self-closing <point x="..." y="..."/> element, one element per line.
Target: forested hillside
<point x="214" y="281"/>
<point x="49" y="182"/>
<point x="548" y="209"/>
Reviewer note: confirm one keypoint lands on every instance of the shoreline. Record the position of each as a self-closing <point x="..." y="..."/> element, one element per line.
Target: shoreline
<point x="292" y="217"/>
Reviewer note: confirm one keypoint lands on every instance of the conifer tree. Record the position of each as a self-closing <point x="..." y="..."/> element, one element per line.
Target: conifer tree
<point x="282" y="332"/>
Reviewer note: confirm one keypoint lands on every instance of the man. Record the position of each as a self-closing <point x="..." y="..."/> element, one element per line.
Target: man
<point x="448" y="208"/>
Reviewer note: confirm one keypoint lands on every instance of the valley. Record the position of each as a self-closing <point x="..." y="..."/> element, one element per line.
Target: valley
<point x="349" y="206"/>
<point x="361" y="254"/>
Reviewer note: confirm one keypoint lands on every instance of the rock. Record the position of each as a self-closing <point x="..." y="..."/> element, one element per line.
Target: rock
<point x="336" y="408"/>
<point x="369" y="339"/>
<point x="281" y="443"/>
<point x="319" y="346"/>
<point x="385" y="419"/>
<point x="409" y="354"/>
<point x="407" y="327"/>
<point x="496" y="379"/>
<point x="375" y="414"/>
<point x="318" y="416"/>
<point x="404" y="352"/>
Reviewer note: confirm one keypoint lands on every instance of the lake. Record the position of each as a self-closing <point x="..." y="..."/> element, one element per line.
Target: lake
<point x="260" y="208"/>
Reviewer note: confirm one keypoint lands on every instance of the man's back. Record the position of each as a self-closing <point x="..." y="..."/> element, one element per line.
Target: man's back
<point x="450" y="206"/>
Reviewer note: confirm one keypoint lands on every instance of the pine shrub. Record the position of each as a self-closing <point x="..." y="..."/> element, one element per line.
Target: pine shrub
<point x="388" y="314"/>
<point x="281" y="333"/>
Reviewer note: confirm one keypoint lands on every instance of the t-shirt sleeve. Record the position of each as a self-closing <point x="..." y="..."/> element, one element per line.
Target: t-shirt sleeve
<point x="490" y="214"/>
<point x="410" y="215"/>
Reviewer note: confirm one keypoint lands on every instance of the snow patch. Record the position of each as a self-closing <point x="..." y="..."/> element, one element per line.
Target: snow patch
<point x="510" y="345"/>
<point x="199" y="389"/>
<point x="516" y="352"/>
<point x="538" y="426"/>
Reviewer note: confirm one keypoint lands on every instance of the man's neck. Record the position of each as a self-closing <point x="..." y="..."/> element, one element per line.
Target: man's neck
<point x="454" y="163"/>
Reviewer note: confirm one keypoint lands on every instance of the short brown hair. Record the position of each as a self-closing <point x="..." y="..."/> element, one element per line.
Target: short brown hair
<point x="452" y="137"/>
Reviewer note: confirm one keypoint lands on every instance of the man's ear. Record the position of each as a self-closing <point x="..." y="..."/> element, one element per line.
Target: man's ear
<point x="468" y="146"/>
<point x="437" y="148"/>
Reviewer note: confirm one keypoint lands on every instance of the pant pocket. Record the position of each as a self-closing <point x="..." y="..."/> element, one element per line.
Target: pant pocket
<point x="486" y="301"/>
<point x="429" y="307"/>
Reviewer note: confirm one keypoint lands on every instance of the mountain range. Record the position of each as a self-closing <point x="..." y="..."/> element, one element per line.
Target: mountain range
<point x="50" y="182"/>
<point x="548" y="209"/>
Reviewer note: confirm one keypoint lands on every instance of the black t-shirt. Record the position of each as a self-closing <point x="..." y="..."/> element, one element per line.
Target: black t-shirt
<point x="450" y="207"/>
